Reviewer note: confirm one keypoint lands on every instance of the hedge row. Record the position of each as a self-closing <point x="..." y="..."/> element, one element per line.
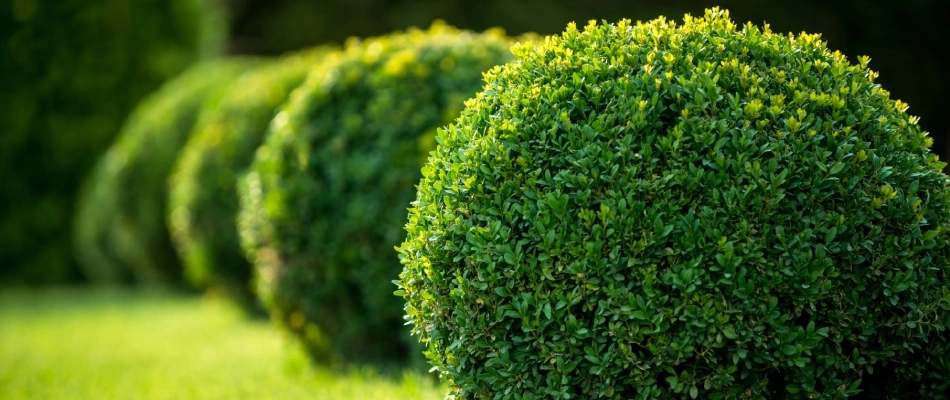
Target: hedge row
<point x="649" y="210"/>
<point x="120" y="229"/>
<point x="346" y="130"/>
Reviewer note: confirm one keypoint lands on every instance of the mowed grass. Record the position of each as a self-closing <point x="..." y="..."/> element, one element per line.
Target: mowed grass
<point x="149" y="344"/>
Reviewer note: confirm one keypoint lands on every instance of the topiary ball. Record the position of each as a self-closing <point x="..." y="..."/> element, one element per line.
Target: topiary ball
<point x="202" y="201"/>
<point x="696" y="210"/>
<point x="324" y="200"/>
<point x="120" y="226"/>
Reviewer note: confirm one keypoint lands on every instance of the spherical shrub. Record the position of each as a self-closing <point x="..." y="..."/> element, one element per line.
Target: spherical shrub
<point x="323" y="204"/>
<point x="655" y="210"/>
<point x="70" y="72"/>
<point x="202" y="202"/>
<point x="120" y="225"/>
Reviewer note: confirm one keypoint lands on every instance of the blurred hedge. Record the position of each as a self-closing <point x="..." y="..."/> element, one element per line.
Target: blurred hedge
<point x="325" y="199"/>
<point x="202" y="200"/>
<point x="120" y="230"/>
<point x="70" y="71"/>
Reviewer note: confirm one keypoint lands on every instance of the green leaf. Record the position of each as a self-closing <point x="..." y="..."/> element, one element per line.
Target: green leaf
<point x="666" y="230"/>
<point x="830" y="235"/>
<point x="729" y="331"/>
<point x="929" y="235"/>
<point x="836" y="168"/>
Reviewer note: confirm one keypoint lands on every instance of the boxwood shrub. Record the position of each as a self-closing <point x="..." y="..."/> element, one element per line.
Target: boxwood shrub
<point x="120" y="225"/>
<point x="202" y="203"/>
<point x="695" y="210"/>
<point x="70" y="72"/>
<point x="323" y="204"/>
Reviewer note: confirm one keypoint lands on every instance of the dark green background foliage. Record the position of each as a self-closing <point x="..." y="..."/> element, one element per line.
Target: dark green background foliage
<point x="702" y="211"/>
<point x="324" y="204"/>
<point x="202" y="204"/>
<point x="70" y="71"/>
<point x="120" y="228"/>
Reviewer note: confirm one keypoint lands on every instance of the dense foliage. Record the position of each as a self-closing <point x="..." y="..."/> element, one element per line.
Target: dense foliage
<point x="120" y="230"/>
<point x="695" y="210"/>
<point x="70" y="72"/>
<point x="325" y="199"/>
<point x="202" y="203"/>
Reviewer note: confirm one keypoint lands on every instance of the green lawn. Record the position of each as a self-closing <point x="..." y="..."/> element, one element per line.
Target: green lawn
<point x="120" y="344"/>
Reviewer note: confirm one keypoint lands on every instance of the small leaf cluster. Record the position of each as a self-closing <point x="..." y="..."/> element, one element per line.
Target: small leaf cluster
<point x="696" y="210"/>
<point x="202" y="202"/>
<point x="324" y="201"/>
<point x="120" y="230"/>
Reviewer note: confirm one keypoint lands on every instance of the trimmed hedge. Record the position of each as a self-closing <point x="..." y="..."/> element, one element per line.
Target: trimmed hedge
<point x="120" y="224"/>
<point x="70" y="72"/>
<point x="695" y="210"/>
<point x="322" y="205"/>
<point x="202" y="203"/>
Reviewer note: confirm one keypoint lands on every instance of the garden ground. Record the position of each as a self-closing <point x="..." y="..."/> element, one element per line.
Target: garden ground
<point x="157" y="344"/>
